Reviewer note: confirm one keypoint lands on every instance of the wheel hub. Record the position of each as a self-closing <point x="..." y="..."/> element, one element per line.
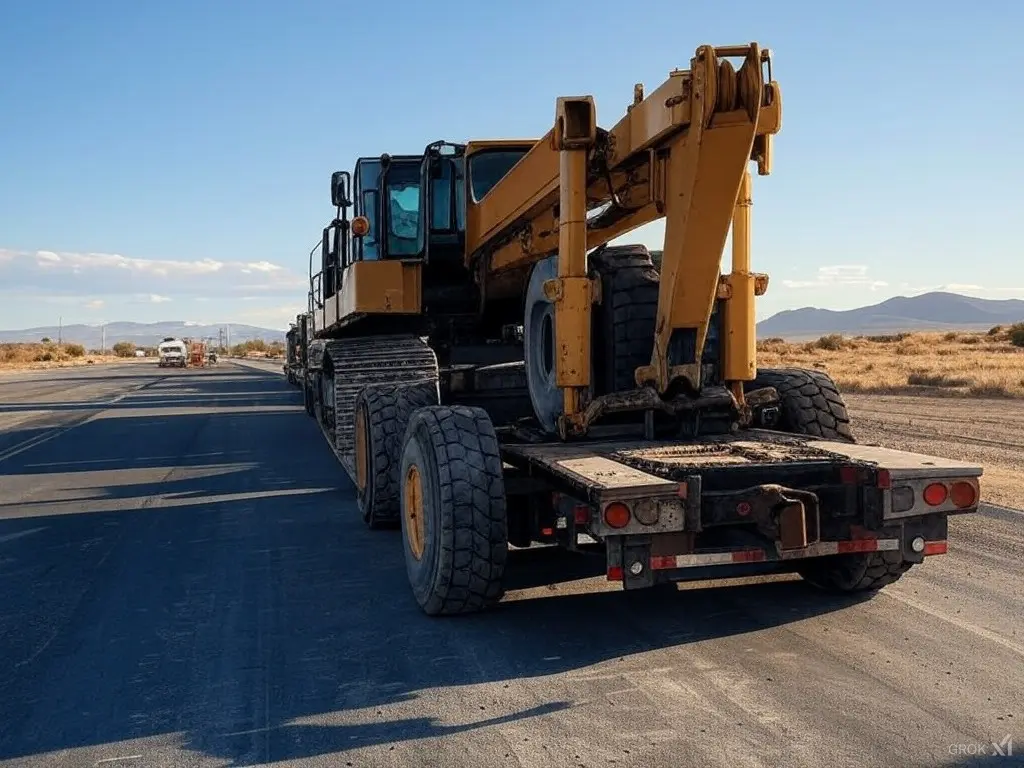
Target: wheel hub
<point x="539" y="348"/>
<point x="413" y="510"/>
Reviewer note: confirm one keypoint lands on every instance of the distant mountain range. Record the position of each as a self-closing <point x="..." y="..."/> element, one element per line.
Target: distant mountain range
<point x="928" y="312"/>
<point x="141" y="334"/>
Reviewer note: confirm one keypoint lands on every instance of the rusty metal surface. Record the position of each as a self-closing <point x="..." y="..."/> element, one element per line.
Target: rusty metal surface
<point x="674" y="460"/>
<point x="646" y="398"/>
<point x="606" y="473"/>
<point x="714" y="452"/>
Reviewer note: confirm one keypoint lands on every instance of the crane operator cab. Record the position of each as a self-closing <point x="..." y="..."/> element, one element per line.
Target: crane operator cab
<point x="383" y="215"/>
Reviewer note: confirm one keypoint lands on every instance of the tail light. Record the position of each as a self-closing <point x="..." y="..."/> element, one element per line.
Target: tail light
<point x="935" y="495"/>
<point x="963" y="494"/>
<point x="616" y="515"/>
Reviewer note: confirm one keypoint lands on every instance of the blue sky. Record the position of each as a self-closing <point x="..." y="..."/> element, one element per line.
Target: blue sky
<point x="172" y="160"/>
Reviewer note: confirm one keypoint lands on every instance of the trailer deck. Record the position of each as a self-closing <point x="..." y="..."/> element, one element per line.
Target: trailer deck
<point x="605" y="468"/>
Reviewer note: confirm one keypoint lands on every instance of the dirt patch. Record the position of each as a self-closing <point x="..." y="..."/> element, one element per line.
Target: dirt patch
<point x="989" y="432"/>
<point x="47" y="355"/>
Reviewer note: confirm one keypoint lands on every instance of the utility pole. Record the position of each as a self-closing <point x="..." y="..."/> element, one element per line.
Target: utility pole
<point x="60" y="329"/>
<point x="103" y="339"/>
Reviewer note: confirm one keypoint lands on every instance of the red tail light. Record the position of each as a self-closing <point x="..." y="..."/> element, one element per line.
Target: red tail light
<point x="616" y="515"/>
<point x="964" y="494"/>
<point x="935" y="495"/>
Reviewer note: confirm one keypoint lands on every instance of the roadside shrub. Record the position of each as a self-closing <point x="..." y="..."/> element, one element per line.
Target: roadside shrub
<point x="833" y="342"/>
<point x="925" y="379"/>
<point x="909" y="348"/>
<point x="990" y="389"/>
<point x="1017" y="336"/>
<point x="776" y="345"/>
<point x="124" y="349"/>
<point x="888" y="338"/>
<point x="74" y="350"/>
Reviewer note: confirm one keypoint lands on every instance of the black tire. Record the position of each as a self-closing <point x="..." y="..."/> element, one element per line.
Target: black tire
<point x="847" y="574"/>
<point x="809" y="403"/>
<point x="307" y="397"/>
<point x="624" y="321"/>
<point x="622" y="328"/>
<point x="383" y="412"/>
<point x="457" y="565"/>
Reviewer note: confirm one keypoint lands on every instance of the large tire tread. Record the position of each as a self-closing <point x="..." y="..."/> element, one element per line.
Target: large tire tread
<point x="854" y="573"/>
<point x="810" y="403"/>
<point x="467" y="504"/>
<point x="388" y="408"/>
<point x="629" y="286"/>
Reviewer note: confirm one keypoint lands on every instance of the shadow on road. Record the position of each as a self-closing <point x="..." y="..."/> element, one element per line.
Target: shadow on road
<point x="249" y="612"/>
<point x="154" y="388"/>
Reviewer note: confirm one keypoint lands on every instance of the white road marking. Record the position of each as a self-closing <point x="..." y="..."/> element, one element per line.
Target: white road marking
<point x="973" y="628"/>
<point x="45" y="437"/>
<point x="19" y="534"/>
<point x="117" y="759"/>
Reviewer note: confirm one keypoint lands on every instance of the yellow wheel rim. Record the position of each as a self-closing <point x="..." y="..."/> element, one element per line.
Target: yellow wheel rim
<point x="360" y="450"/>
<point x="414" y="511"/>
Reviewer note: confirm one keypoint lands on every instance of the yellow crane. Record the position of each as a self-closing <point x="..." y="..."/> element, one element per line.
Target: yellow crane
<point x="491" y="372"/>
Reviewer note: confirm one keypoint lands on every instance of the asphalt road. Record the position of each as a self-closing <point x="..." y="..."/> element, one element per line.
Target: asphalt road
<point x="186" y="583"/>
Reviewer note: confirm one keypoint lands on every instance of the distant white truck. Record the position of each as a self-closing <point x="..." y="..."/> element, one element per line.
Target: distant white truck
<point x="172" y="353"/>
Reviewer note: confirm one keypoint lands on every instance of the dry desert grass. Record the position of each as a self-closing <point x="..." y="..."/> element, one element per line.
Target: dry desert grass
<point x="955" y="363"/>
<point x="20" y="357"/>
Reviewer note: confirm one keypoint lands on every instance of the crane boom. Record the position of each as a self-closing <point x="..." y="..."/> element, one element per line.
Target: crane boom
<point x="680" y="154"/>
<point x="450" y="329"/>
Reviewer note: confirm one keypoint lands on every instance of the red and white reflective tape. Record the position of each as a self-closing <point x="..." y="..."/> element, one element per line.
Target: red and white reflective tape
<point x="842" y="548"/>
<point x="818" y="549"/>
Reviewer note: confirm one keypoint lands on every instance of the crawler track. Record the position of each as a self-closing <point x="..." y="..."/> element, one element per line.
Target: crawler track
<point x="360" y="362"/>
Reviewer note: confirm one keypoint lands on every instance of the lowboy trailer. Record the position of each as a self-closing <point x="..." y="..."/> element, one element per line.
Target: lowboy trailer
<point x="492" y="373"/>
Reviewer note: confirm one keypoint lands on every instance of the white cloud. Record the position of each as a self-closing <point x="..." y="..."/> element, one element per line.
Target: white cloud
<point x="272" y="317"/>
<point x="838" y="275"/>
<point x="79" y="285"/>
<point x="111" y="274"/>
<point x="911" y="289"/>
<point x="969" y="289"/>
<point x="261" y="266"/>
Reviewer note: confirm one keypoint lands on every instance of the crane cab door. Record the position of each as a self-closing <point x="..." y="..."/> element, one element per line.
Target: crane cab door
<point x="442" y="175"/>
